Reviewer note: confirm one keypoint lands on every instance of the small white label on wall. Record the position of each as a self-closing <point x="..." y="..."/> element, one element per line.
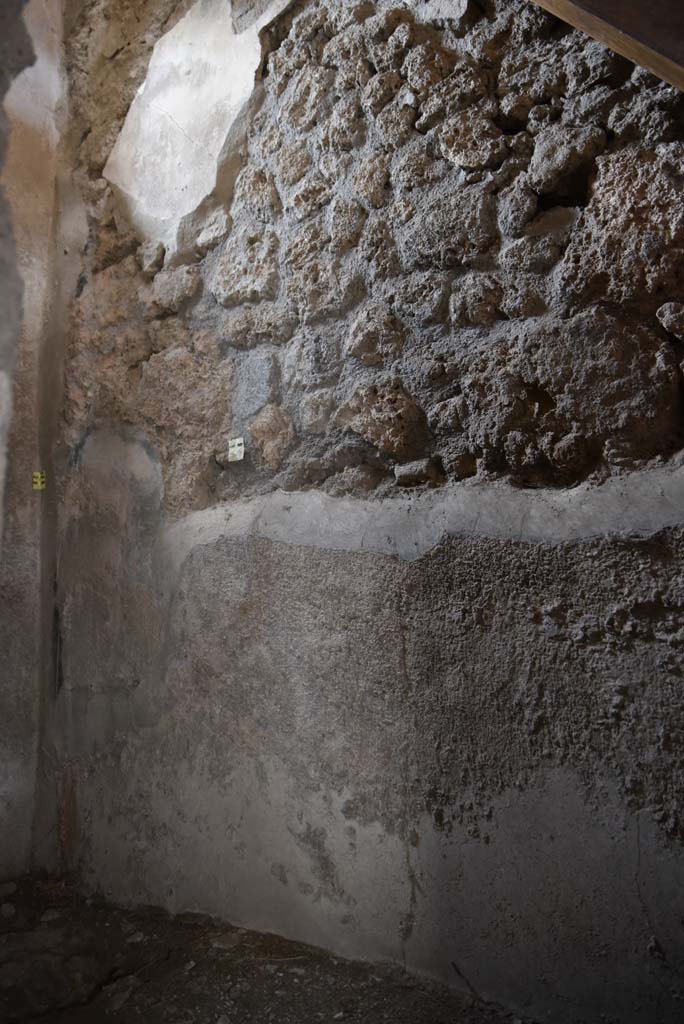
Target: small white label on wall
<point x="236" y="449"/>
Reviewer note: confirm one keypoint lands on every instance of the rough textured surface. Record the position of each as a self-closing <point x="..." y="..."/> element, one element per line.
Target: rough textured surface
<point x="406" y="681"/>
<point x="472" y="218"/>
<point x="29" y="174"/>
<point x="69" y="961"/>
<point x="439" y="737"/>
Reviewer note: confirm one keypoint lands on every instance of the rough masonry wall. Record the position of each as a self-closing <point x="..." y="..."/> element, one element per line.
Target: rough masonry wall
<point x="441" y="725"/>
<point x="455" y="241"/>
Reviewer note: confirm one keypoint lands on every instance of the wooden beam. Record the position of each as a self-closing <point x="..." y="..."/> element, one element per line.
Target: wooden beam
<point x="650" y="34"/>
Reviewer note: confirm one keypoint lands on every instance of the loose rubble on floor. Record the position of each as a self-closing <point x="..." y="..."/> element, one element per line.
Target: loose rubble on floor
<point x="66" y="959"/>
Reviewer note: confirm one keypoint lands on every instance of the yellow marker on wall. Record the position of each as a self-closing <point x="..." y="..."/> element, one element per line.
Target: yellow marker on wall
<point x="39" y="481"/>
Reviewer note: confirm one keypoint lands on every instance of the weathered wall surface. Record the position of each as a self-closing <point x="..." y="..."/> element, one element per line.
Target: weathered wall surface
<point x="15" y="54"/>
<point x="49" y="226"/>
<point x="449" y="243"/>
<point x="388" y="728"/>
<point x="29" y="179"/>
<point x="443" y="724"/>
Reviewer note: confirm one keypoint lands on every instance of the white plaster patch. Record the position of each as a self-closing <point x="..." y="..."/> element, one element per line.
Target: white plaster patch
<point x="180" y="142"/>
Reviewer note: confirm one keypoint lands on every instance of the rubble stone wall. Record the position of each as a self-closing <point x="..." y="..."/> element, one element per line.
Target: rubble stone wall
<point x="453" y="251"/>
<point x="405" y="681"/>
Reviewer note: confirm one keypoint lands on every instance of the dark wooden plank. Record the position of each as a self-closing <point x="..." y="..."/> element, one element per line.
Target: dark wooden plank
<point x="650" y="34"/>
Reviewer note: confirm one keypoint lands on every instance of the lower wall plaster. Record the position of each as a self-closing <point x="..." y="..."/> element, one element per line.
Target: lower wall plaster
<point x="443" y="731"/>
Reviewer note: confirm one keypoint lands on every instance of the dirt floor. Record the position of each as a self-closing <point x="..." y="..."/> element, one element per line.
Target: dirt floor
<point x="68" y="960"/>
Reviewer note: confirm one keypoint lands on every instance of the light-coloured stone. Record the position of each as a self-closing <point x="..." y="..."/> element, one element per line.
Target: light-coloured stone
<point x="316" y="410"/>
<point x="671" y="316"/>
<point x="470" y="139"/>
<point x="387" y="417"/>
<point x="375" y="336"/>
<point x="247" y="267"/>
<point x="173" y="289"/>
<point x="560" y="151"/>
<point x="272" y="431"/>
<point x="346" y="220"/>
<point x="371" y="179"/>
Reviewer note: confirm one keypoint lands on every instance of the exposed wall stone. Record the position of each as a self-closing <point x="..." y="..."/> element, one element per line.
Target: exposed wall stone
<point x="478" y="181"/>
<point x="444" y="729"/>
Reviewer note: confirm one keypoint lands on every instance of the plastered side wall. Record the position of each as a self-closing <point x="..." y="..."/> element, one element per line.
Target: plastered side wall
<point x="34" y="111"/>
<point x="15" y="54"/>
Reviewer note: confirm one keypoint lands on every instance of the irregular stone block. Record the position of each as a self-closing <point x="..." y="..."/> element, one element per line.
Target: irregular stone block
<point x="466" y="84"/>
<point x="325" y="289"/>
<point x="425" y="66"/>
<point x="272" y="431"/>
<point x="173" y="289"/>
<point x="312" y="360"/>
<point x="151" y="258"/>
<point x="422" y="298"/>
<point x="315" y="411"/>
<point x="294" y="161"/>
<point x="256" y="193"/>
<point x="246" y="270"/>
<point x="394" y="125"/>
<point x="470" y="139"/>
<point x="517" y="206"/>
<point x="380" y="90"/>
<point x="450" y="230"/>
<point x="375" y="336"/>
<point x="264" y="324"/>
<point x="609" y="385"/>
<point x="560" y="151"/>
<point x="629" y="245"/>
<point x="345" y="219"/>
<point x="387" y="417"/>
<point x="254" y="384"/>
<point x="423" y="471"/>
<point x="346" y="128"/>
<point x="307" y="242"/>
<point x="475" y="299"/>
<point x="378" y="250"/>
<point x="671" y="316"/>
<point x="313" y="193"/>
<point x="308" y="98"/>
<point x="371" y="180"/>
<point x="415" y="167"/>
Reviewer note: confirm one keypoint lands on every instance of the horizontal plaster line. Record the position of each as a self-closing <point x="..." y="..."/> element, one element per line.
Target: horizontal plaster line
<point x="408" y="527"/>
